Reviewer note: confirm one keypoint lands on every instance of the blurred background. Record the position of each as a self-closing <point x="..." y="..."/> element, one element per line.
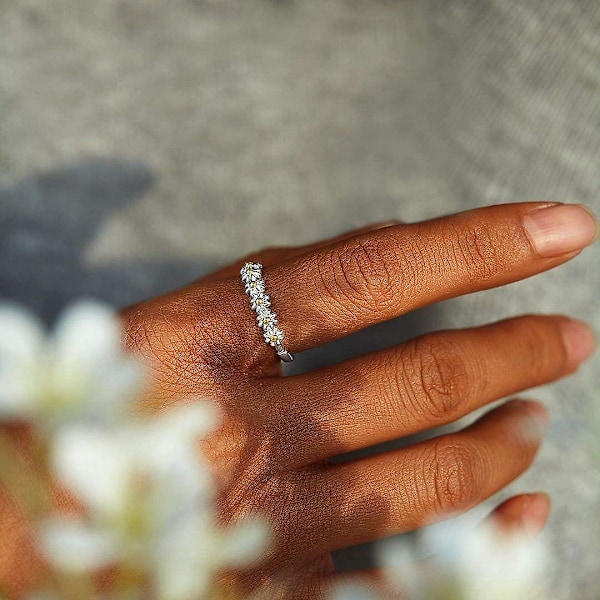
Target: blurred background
<point x="143" y="143"/>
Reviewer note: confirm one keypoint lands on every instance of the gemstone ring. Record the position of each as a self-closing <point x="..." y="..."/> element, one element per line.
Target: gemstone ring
<point x="260" y="303"/>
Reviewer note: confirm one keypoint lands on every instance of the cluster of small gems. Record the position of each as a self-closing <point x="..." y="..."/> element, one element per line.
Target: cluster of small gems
<point x="260" y="302"/>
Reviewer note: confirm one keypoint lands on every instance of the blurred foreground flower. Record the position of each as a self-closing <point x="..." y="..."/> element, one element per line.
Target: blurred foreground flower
<point x="353" y="592"/>
<point x="468" y="563"/>
<point x="150" y="505"/>
<point x="147" y="497"/>
<point x="80" y="370"/>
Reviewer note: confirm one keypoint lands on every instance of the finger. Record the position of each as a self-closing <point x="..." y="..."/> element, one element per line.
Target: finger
<point x="267" y="256"/>
<point x="373" y="277"/>
<point x="402" y="490"/>
<point x="524" y="514"/>
<point x="270" y="256"/>
<point x="427" y="382"/>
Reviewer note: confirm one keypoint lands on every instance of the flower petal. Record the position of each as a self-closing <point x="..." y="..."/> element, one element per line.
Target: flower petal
<point x="245" y="542"/>
<point x="352" y="591"/>
<point x="89" y="366"/>
<point x="186" y="558"/>
<point x="21" y="334"/>
<point x="113" y="390"/>
<point x="488" y="554"/>
<point x="93" y="465"/>
<point x="87" y="334"/>
<point x="21" y="344"/>
<point x="71" y="546"/>
<point x="476" y="560"/>
<point x="187" y="422"/>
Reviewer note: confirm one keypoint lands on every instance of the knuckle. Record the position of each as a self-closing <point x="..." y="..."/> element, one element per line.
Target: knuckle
<point x="362" y="272"/>
<point x="540" y="348"/>
<point x="180" y="335"/>
<point x="535" y="352"/>
<point x="478" y="248"/>
<point x="436" y="376"/>
<point x="146" y="330"/>
<point x="451" y="477"/>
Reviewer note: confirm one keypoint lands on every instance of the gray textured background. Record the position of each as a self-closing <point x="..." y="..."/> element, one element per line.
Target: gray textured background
<point x="144" y="142"/>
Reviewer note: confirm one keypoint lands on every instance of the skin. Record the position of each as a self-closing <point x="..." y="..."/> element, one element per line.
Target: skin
<point x="272" y="452"/>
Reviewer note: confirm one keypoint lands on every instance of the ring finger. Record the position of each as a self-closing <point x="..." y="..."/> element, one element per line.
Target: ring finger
<point x="369" y="278"/>
<point x="274" y="255"/>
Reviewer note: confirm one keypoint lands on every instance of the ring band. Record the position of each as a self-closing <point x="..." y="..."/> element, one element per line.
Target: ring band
<point x="260" y="303"/>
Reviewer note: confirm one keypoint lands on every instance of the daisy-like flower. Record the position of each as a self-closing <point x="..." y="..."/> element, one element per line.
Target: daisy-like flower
<point x="266" y="319"/>
<point x="251" y="272"/>
<point x="273" y="335"/>
<point x="469" y="564"/>
<point x="77" y="371"/>
<point x="255" y="288"/>
<point x="148" y="497"/>
<point x="352" y="591"/>
<point x="113" y="470"/>
<point x="260" y="303"/>
<point x="485" y="557"/>
<point x="150" y="505"/>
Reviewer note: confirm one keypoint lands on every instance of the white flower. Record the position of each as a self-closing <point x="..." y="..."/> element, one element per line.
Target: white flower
<point x="152" y="464"/>
<point x="251" y="272"/>
<point x="255" y="288"/>
<point x="469" y="564"/>
<point x="74" y="548"/>
<point x="78" y="370"/>
<point x="273" y="335"/>
<point x="352" y="592"/>
<point x="261" y="303"/>
<point x="190" y="553"/>
<point x="150" y="502"/>
<point x="497" y="566"/>
<point x="266" y="318"/>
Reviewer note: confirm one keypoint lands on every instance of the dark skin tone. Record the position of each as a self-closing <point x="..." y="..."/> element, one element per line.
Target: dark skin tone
<point x="272" y="452"/>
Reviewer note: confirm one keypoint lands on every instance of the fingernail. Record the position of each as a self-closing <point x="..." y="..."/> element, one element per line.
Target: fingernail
<point x="539" y="413"/>
<point x="535" y="513"/>
<point x="560" y="229"/>
<point x="579" y="340"/>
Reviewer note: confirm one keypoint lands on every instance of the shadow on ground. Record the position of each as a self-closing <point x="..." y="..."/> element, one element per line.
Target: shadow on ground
<point x="50" y="218"/>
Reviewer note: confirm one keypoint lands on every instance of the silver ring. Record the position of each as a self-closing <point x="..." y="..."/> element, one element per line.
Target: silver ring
<point x="260" y="303"/>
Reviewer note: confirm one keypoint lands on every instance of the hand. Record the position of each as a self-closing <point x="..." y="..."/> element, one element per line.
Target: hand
<point x="272" y="452"/>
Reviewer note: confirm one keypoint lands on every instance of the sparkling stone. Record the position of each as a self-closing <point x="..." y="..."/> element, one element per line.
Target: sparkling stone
<point x="251" y="276"/>
<point x="255" y="288"/>
<point x="260" y="303"/>
<point x="266" y="319"/>
<point x="273" y="336"/>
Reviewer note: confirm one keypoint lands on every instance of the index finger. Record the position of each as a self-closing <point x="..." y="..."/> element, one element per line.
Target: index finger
<point x="334" y="291"/>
